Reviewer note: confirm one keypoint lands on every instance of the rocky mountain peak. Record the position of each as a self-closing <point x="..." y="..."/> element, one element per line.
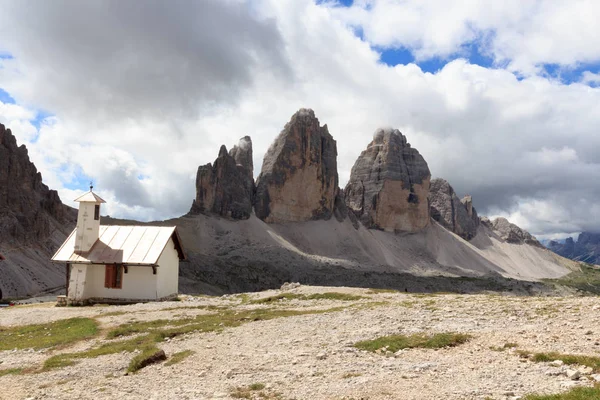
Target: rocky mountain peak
<point x="588" y="238"/>
<point x="26" y="204"/>
<point x="456" y="215"/>
<point x="467" y="201"/>
<point x="389" y="184"/>
<point x="585" y="249"/>
<point x="242" y="154"/>
<point x="510" y="232"/>
<point x="299" y="179"/>
<point x="226" y="188"/>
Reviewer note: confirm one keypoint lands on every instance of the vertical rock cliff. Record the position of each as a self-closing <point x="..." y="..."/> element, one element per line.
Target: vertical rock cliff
<point x="389" y="185"/>
<point x="242" y="155"/>
<point x="226" y="187"/>
<point x="27" y="206"/>
<point x="299" y="179"/>
<point x="454" y="214"/>
<point x="33" y="224"/>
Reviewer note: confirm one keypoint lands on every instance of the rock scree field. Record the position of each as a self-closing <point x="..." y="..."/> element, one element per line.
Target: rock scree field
<point x="305" y="342"/>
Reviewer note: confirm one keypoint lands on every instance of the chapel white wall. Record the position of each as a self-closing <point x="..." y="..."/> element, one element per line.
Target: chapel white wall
<point x="168" y="271"/>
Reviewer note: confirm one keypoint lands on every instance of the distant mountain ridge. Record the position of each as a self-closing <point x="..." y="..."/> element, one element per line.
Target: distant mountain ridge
<point x="381" y="230"/>
<point x="387" y="228"/>
<point x="585" y="249"/>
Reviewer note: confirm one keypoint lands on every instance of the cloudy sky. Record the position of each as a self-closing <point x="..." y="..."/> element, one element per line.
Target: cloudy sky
<point x="501" y="98"/>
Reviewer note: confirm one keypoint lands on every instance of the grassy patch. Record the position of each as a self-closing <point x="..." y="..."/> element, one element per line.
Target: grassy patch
<point x="580" y="393"/>
<point x="254" y="391"/>
<point x="244" y="298"/>
<point x="152" y="332"/>
<point x="179" y="357"/>
<point x="139" y="361"/>
<point x="508" y="345"/>
<point x="256" y="386"/>
<point x="398" y="342"/>
<point x="317" y="296"/>
<point x="377" y="291"/>
<point x="568" y="359"/>
<point x="10" y="371"/>
<point x="278" y="297"/>
<point x="163" y="328"/>
<point x="47" y="335"/>
<point x="64" y="360"/>
<point x="144" y="326"/>
<point x="334" y="296"/>
<point x="587" y="279"/>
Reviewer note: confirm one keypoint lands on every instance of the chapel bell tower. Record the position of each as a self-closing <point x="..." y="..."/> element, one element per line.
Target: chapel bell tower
<point x="88" y="221"/>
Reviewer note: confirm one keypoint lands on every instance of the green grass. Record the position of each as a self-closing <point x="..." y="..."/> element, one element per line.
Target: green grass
<point x="179" y="357"/>
<point x="53" y="334"/>
<point x="10" y="371"/>
<point x="587" y="279"/>
<point x="568" y="359"/>
<point x="256" y="386"/>
<point x="206" y="322"/>
<point x="509" y="345"/>
<point x="398" y="342"/>
<point x="145" y="326"/>
<point x="377" y="291"/>
<point x="254" y="391"/>
<point x="580" y="393"/>
<point x="141" y="343"/>
<point x="137" y="362"/>
<point x="317" y="296"/>
<point x="152" y="332"/>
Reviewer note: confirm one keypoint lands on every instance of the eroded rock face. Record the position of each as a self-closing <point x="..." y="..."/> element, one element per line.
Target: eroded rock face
<point x="226" y="187"/>
<point x="454" y="214"/>
<point x="299" y="179"/>
<point x="510" y="232"/>
<point x="389" y="185"/>
<point x="242" y="154"/>
<point x="26" y="204"/>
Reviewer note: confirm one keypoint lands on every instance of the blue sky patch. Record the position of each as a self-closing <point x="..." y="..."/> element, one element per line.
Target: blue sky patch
<point x="80" y="182"/>
<point x="344" y="3"/>
<point x="471" y="52"/>
<point x="393" y="57"/>
<point x="39" y="118"/>
<point x="6" y="98"/>
<point x="570" y="75"/>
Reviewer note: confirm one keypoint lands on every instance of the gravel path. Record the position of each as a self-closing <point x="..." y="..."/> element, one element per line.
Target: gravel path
<point x="311" y="356"/>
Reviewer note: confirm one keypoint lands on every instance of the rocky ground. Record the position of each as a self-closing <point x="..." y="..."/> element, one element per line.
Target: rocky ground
<point x="312" y="356"/>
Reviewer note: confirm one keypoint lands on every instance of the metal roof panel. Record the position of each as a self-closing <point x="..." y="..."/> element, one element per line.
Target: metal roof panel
<point x="90" y="197"/>
<point x="121" y="244"/>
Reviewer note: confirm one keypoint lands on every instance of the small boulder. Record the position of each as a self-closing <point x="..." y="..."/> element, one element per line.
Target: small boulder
<point x="572" y="374"/>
